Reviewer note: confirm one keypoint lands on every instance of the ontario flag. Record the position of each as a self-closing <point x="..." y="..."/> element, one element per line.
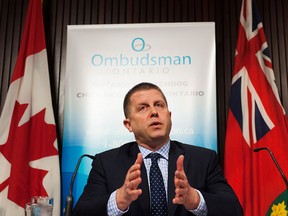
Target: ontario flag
<point x="256" y="119"/>
<point x="29" y="161"/>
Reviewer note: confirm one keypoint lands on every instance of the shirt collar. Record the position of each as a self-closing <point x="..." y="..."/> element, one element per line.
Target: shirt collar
<point x="163" y="151"/>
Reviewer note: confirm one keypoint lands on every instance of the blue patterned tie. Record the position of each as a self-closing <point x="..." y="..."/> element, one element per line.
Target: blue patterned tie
<point x="158" y="194"/>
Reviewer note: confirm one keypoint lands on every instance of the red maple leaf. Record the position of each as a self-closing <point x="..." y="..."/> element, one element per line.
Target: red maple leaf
<point x="31" y="141"/>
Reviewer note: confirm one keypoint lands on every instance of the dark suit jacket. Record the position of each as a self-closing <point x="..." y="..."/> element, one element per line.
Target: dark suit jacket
<point x="201" y="167"/>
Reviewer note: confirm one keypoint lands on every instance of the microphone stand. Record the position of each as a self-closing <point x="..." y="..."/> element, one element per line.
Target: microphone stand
<point x="69" y="199"/>
<point x="275" y="162"/>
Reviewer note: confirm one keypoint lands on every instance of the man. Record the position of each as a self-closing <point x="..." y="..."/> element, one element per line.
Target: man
<point x="118" y="183"/>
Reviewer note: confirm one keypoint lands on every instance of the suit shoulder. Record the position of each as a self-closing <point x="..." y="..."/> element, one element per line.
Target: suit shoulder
<point x="192" y="148"/>
<point x="114" y="151"/>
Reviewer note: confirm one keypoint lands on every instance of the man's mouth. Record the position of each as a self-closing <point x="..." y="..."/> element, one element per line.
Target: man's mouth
<point x="155" y="124"/>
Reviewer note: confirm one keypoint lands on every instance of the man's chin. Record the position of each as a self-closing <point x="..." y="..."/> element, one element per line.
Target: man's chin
<point x="159" y="138"/>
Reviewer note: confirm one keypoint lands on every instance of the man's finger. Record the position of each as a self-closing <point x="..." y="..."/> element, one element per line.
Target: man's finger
<point x="139" y="159"/>
<point x="137" y="164"/>
<point x="180" y="163"/>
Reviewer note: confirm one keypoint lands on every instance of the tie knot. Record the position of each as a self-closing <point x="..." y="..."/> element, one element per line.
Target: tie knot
<point x="154" y="157"/>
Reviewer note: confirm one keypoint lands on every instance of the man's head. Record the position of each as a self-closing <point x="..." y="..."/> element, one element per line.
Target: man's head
<point x="147" y="115"/>
<point x="139" y="87"/>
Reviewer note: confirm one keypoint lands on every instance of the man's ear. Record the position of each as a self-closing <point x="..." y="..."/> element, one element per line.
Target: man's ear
<point x="127" y="124"/>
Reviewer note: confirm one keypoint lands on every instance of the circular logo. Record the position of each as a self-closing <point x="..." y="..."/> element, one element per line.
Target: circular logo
<point x="138" y="45"/>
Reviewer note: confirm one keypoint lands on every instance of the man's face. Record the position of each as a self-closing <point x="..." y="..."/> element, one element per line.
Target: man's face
<point x="149" y="119"/>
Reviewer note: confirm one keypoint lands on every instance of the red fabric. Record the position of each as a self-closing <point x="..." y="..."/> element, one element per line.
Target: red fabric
<point x="33" y="38"/>
<point x="29" y="161"/>
<point x="255" y="119"/>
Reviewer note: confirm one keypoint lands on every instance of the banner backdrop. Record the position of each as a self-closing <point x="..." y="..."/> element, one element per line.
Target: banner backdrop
<point x="105" y="61"/>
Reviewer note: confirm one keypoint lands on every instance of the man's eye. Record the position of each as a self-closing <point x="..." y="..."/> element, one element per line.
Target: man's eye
<point x="159" y="105"/>
<point x="142" y="108"/>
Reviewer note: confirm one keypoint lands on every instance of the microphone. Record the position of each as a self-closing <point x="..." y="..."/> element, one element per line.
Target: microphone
<point x="69" y="199"/>
<point x="275" y="162"/>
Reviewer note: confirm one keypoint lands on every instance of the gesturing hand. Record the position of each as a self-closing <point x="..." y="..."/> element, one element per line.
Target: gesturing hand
<point x="129" y="190"/>
<point x="185" y="194"/>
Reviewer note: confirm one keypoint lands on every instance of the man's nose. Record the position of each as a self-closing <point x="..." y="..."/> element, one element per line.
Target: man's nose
<point x="154" y="111"/>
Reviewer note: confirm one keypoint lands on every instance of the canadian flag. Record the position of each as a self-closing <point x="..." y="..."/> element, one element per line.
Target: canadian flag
<point x="29" y="160"/>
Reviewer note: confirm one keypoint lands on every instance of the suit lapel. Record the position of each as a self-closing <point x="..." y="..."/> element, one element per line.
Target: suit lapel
<point x="144" y="198"/>
<point x="174" y="153"/>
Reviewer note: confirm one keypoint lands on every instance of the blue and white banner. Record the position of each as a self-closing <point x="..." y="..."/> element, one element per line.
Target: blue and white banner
<point x="105" y="61"/>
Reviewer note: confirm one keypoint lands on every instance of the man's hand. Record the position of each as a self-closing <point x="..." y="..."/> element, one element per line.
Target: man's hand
<point x="129" y="191"/>
<point x="185" y="194"/>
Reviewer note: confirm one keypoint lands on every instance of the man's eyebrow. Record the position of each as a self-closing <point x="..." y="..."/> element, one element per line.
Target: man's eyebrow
<point x="160" y="101"/>
<point x="142" y="103"/>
